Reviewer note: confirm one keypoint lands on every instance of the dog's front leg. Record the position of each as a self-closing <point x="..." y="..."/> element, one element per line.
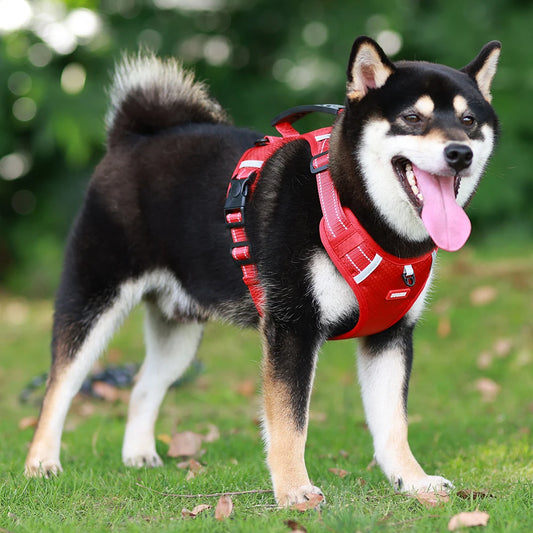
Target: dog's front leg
<point x="289" y="359"/>
<point x="384" y="364"/>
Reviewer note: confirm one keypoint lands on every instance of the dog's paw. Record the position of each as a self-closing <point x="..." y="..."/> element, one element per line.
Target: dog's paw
<point x="150" y="460"/>
<point x="44" y="469"/>
<point x="425" y="484"/>
<point x="303" y="494"/>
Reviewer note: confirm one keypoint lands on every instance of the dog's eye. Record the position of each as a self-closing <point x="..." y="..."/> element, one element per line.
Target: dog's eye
<point x="412" y="118"/>
<point x="468" y="121"/>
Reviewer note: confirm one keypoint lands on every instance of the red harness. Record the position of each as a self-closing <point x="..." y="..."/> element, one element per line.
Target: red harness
<point x="385" y="286"/>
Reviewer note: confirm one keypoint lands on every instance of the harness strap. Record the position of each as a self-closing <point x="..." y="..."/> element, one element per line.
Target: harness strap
<point x="383" y="298"/>
<point x="384" y="285"/>
<point x="241" y="188"/>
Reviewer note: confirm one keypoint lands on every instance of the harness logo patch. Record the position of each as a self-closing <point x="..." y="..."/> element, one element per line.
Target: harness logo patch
<point x="398" y="294"/>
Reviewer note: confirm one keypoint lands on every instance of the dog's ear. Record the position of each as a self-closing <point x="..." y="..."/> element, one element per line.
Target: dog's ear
<point x="369" y="68"/>
<point x="483" y="67"/>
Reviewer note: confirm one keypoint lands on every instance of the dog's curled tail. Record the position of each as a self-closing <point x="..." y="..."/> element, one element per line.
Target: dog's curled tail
<point x="149" y="94"/>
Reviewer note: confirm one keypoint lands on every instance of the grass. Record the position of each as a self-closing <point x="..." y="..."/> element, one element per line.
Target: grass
<point x="482" y="445"/>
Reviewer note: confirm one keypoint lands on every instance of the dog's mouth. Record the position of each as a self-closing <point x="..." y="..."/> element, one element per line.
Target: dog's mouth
<point x="434" y="198"/>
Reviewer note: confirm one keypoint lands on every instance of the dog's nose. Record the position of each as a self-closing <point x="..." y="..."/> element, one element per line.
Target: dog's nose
<point x="458" y="156"/>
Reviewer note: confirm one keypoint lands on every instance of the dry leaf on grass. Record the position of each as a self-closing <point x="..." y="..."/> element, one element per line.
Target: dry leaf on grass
<point x="188" y="443"/>
<point x="295" y="526"/>
<point x="468" y="519"/>
<point x="370" y="466"/>
<point x="483" y="295"/>
<point x="27" y="422"/>
<point x="191" y="464"/>
<point x="246" y="388"/>
<point x="432" y="499"/>
<point x="185" y="513"/>
<point x="194" y="468"/>
<point x="224" y="507"/>
<point x="488" y="389"/>
<point x="484" y="360"/>
<point x="109" y="393"/>
<point x="466" y="494"/>
<point x="444" y="327"/>
<point x="185" y="444"/>
<point x="312" y="502"/>
<point x="213" y="434"/>
<point x="503" y="347"/>
<point x="164" y="437"/>
<point x="339" y="472"/>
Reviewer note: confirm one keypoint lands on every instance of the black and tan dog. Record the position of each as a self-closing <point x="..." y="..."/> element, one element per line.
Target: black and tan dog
<point x="406" y="155"/>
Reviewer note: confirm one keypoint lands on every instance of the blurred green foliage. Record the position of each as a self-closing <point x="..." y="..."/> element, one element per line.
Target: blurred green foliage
<point x="259" y="57"/>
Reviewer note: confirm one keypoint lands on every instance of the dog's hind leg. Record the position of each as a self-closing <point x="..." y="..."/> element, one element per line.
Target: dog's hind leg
<point x="384" y="364"/>
<point x="289" y="359"/>
<point x="82" y="330"/>
<point x="170" y="347"/>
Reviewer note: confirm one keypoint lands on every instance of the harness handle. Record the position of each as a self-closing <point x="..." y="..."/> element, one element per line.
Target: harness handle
<point x="296" y="113"/>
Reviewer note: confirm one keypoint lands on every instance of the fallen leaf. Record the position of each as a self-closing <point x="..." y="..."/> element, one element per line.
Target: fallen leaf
<point x="339" y="472"/>
<point x="295" y="526"/>
<point x="108" y="392"/>
<point x="317" y="416"/>
<point x="185" y="444"/>
<point x="185" y="513"/>
<point x="468" y="519"/>
<point x="194" y="468"/>
<point x="370" y="466"/>
<point x="483" y="295"/>
<point x="444" y="327"/>
<point x="246" y="388"/>
<point x="484" y="360"/>
<point x="466" y="494"/>
<point x="190" y="475"/>
<point x="164" y="437"/>
<point x="312" y="502"/>
<point x="114" y="355"/>
<point x="432" y="499"/>
<point x="86" y="409"/>
<point x="213" y="434"/>
<point x="488" y="389"/>
<point x="224" y="507"/>
<point x="28" y="422"/>
<point x="503" y="347"/>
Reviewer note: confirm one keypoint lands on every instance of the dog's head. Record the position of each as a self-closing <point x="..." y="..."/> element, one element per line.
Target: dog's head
<point x="422" y="134"/>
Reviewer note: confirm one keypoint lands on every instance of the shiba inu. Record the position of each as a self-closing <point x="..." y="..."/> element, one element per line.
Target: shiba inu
<point x="405" y="156"/>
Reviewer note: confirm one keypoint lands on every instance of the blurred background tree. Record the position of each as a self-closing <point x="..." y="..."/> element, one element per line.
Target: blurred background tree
<point x="259" y="57"/>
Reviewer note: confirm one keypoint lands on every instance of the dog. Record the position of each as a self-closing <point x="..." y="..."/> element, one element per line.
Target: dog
<point x="405" y="156"/>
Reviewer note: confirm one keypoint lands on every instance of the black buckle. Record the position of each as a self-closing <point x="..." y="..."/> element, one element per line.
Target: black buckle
<point x="236" y="200"/>
<point x="319" y="169"/>
<point x="263" y="141"/>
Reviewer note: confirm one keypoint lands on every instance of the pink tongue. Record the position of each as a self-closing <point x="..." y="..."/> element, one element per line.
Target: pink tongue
<point x="446" y="222"/>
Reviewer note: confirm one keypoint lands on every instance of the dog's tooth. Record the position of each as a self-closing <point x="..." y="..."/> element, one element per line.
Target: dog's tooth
<point x="415" y="190"/>
<point x="420" y="197"/>
<point x="408" y="167"/>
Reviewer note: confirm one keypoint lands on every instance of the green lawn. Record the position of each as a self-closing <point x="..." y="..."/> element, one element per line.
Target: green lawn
<point x="479" y="325"/>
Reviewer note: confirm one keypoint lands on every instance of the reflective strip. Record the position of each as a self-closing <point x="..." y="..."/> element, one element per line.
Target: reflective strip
<point x="251" y="163"/>
<point x="369" y="269"/>
<point x="319" y="138"/>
